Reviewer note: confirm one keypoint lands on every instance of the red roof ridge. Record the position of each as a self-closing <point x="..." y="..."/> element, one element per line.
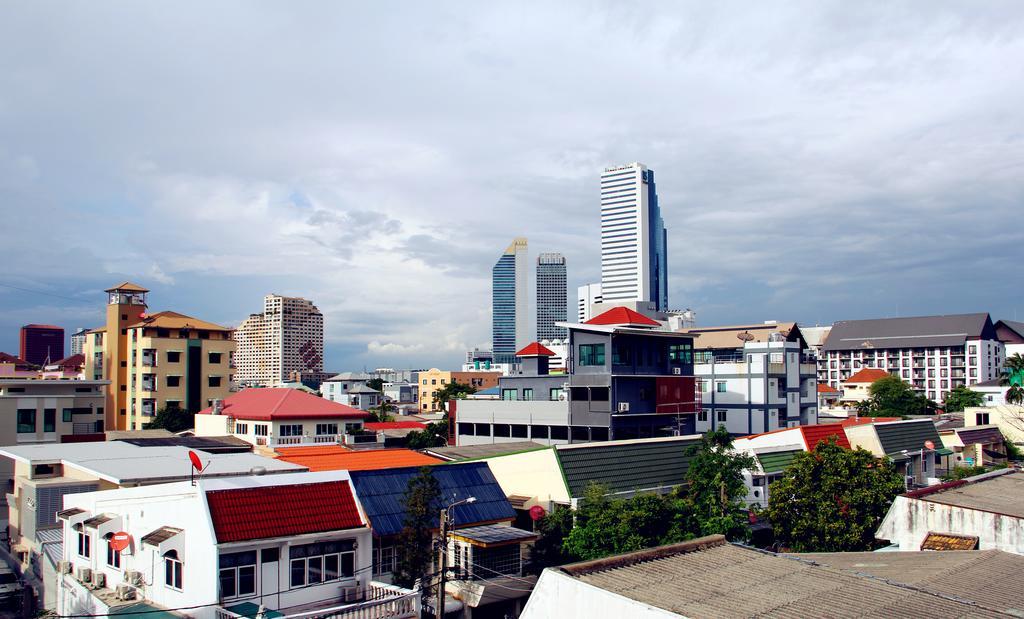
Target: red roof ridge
<point x="867" y="375"/>
<point x="622" y="316"/>
<point x="535" y="349"/>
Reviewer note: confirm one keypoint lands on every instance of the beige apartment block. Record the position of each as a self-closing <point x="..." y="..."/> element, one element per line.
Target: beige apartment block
<point x="287" y="337"/>
<point x="430" y="381"/>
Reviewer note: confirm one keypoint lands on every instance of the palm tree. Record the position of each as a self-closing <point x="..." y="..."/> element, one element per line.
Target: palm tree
<point x="1015" y="395"/>
<point x="1013" y="375"/>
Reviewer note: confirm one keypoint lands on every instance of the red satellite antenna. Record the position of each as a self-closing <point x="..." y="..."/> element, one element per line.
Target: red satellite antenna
<point x="120" y="540"/>
<point x="537" y="512"/>
<point x="929" y="445"/>
<point x="197" y="465"/>
<point x="143" y="316"/>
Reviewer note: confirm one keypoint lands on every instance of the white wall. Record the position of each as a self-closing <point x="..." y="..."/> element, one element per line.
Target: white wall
<point x="909" y="521"/>
<point x="560" y="595"/>
<point x="534" y="474"/>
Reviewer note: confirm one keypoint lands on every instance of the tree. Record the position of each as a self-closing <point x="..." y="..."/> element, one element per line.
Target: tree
<point x="832" y="499"/>
<point x="552" y="530"/>
<point x="716" y="488"/>
<point x="434" y="435"/>
<point x="382" y="412"/>
<point x="452" y="391"/>
<point x="173" y="419"/>
<point x="415" y="548"/>
<point x="607" y="526"/>
<point x="1013" y="370"/>
<point x="891" y="397"/>
<point x="376" y="384"/>
<point x="1015" y="395"/>
<point x="960" y="398"/>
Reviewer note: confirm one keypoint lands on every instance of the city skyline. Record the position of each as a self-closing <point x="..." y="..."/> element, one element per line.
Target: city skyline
<point x="817" y="170"/>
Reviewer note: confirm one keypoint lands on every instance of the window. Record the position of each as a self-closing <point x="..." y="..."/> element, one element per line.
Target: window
<point x="84" y="544"/>
<point x="527" y="394"/>
<point x="704" y="385"/>
<point x="503" y="430"/>
<point x="214" y="381"/>
<point x="559" y="433"/>
<point x="556" y="393"/>
<point x="325" y="429"/>
<point x="113" y="556"/>
<point x="483" y="429"/>
<point x="173" y="381"/>
<point x="981" y="419"/>
<point x="383" y="560"/>
<point x="621" y="354"/>
<point x="599" y="394"/>
<point x="972" y="349"/>
<point x="509" y="394"/>
<point x="26" y="421"/>
<point x="680" y="353"/>
<point x="291" y="429"/>
<point x="241" y="428"/>
<point x="580" y="433"/>
<point x="591" y="354"/>
<point x="238" y="574"/>
<point x="173" y="356"/>
<point x="172" y="570"/>
<point x="599" y="434"/>
<point x="518" y="430"/>
<point x="215" y="358"/>
<point x="539" y="432"/>
<point x="722" y="415"/>
<point x="720" y="386"/>
<point x="702" y="415"/>
<point x="321" y="562"/>
<point x="259" y="429"/>
<point x="49" y="420"/>
<point x="465" y="429"/>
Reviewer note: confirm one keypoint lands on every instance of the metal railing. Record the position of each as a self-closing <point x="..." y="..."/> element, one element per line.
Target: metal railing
<point x="376" y="601"/>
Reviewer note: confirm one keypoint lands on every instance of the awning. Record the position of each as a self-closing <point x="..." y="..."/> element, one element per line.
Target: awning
<point x="942" y="451"/>
<point x="250" y="610"/>
<point x="491" y="535"/>
<point x="518" y="501"/>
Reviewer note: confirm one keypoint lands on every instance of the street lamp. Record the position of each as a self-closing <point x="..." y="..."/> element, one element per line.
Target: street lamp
<point x="446" y="519"/>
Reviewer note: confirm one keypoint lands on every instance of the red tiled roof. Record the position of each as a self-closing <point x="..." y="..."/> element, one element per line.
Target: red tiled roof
<point x="824" y="388"/>
<point x="867" y="375"/>
<point x="337" y="458"/>
<point x="263" y="512"/>
<point x="394" y="425"/>
<point x="284" y="403"/>
<point x="622" y="316"/>
<point x="9" y="358"/>
<point x="75" y="360"/>
<point x="822" y="432"/>
<point x="536" y="349"/>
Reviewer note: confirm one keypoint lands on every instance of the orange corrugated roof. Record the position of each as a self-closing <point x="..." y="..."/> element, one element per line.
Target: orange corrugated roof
<point x="337" y="458"/>
<point x="867" y="375"/>
<point x="822" y="432"/>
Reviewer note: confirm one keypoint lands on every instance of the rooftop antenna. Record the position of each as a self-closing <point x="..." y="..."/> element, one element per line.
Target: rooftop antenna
<point x="197" y="465"/>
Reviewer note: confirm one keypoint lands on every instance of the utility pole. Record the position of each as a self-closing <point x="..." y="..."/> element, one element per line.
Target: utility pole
<point x="443" y="562"/>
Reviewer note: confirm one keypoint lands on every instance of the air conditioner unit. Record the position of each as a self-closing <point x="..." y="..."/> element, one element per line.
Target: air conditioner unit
<point x="910" y="480"/>
<point x="623" y="407"/>
<point x="350" y="594"/>
<point x="64" y="567"/>
<point x="125" y="592"/>
<point x="133" y="577"/>
<point x="99" y="580"/>
<point x="677" y="371"/>
<point x="83" y="575"/>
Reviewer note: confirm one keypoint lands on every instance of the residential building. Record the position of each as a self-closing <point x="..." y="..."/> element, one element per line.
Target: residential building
<point x="853" y="391"/>
<point x="827" y="397"/>
<point x="288" y="336"/>
<point x="988" y="508"/>
<point x="586" y="296"/>
<point x="754" y="378"/>
<point x="1011" y="334"/>
<point x="974" y="446"/>
<point x="478" y="380"/>
<point x="364" y="397"/>
<point x="634" y="242"/>
<point x="430" y="382"/>
<point x="78" y="341"/>
<point x="1008" y="418"/>
<point x="709" y="577"/>
<point x="225" y="549"/>
<point x="993" y="391"/>
<point x="155" y="361"/>
<point x="816" y="337"/>
<point x="626" y="378"/>
<point x="337" y="387"/>
<point x="912" y="444"/>
<point x="309" y="378"/>
<point x="933" y="354"/>
<point x="552" y="297"/>
<point x="510" y="302"/>
<point x="391" y="375"/>
<point x="482" y="360"/>
<point x="277" y="416"/>
<point x="41" y="344"/>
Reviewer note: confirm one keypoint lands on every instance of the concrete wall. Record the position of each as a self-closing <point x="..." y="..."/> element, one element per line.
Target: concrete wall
<point x="530" y="413"/>
<point x="909" y="521"/>
<point x="1009" y="419"/>
<point x="535" y="474"/>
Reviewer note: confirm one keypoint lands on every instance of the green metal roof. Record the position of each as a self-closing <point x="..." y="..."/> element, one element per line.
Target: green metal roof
<point x="142" y="610"/>
<point x="250" y="610"/>
<point x="626" y="466"/>
<point x="942" y="451"/>
<point x="908" y="435"/>
<point x="777" y="461"/>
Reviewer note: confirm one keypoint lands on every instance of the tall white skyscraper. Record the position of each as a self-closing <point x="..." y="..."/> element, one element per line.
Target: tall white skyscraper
<point x="586" y="296"/>
<point x="510" y="302"/>
<point x="288" y="336"/>
<point x="634" y="256"/>
<point x="552" y="298"/>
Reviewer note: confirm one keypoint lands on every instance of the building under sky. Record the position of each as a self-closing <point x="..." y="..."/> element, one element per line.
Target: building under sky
<point x="510" y="317"/>
<point x="287" y="337"/>
<point x="551" y="296"/>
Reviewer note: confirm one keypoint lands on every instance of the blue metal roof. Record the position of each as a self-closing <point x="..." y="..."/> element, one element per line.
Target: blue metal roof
<point x="381" y="494"/>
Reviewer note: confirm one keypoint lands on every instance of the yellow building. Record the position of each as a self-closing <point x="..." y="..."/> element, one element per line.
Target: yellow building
<point x="430" y="381"/>
<point x="155" y="361"/>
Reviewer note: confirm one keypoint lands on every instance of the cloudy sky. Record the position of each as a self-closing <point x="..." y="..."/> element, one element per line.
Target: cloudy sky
<point x="815" y="161"/>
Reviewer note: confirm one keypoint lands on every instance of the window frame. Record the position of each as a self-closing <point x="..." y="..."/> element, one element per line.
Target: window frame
<point x="174" y="572"/>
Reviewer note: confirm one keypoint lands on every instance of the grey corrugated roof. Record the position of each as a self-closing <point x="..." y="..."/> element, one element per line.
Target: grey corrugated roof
<point x="490" y="450"/>
<point x="990" y="578"/>
<point x="494" y="534"/>
<point x="999" y="494"/>
<point x="909" y="435"/>
<point x="712" y="579"/>
<point x="915" y="332"/>
<point x="625" y="466"/>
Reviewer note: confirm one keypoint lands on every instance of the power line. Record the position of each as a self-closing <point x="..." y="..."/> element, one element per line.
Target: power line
<point x="48" y="294"/>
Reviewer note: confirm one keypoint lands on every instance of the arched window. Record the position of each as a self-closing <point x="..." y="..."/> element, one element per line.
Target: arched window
<point x="172" y="570"/>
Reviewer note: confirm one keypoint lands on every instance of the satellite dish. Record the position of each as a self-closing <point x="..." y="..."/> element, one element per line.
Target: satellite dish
<point x="929" y="445"/>
<point x="745" y="336"/>
<point x="197" y="464"/>
<point x="537" y="512"/>
<point x="120" y="540"/>
<point x="143" y="316"/>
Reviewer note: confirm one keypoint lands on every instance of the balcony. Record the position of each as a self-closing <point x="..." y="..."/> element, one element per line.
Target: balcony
<point x="359" y="438"/>
<point x="149" y="382"/>
<point x="149" y="357"/>
<point x="376" y="601"/>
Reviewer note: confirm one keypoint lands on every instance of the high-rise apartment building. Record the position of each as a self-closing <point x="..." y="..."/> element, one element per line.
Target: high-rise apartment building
<point x="78" y="341"/>
<point x="155" y="361"/>
<point x="552" y="299"/>
<point x="586" y="296"/>
<point x="41" y="344"/>
<point x="510" y="309"/>
<point x="287" y="337"/>
<point x="634" y="252"/>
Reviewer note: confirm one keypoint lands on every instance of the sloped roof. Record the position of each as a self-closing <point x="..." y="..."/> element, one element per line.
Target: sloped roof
<point x="826" y="388"/>
<point x="949" y="541"/>
<point x="261" y="512"/>
<point x="394" y="425"/>
<point x="907" y="435"/>
<point x="363" y="388"/>
<point x="535" y="349"/>
<point x="823" y="432"/>
<point x="382" y="492"/>
<point x="283" y="403"/>
<point x="777" y="461"/>
<point x="867" y="375"/>
<point x="1010" y="331"/>
<point x="729" y="336"/>
<point x="979" y="435"/>
<point x="338" y="458"/>
<point x="918" y="331"/>
<point x="998" y="492"/>
<point x="174" y="320"/>
<point x="9" y="358"/>
<point x="626" y="466"/>
<point x="130" y="287"/>
<point x="461" y="453"/>
<point x="622" y="316"/>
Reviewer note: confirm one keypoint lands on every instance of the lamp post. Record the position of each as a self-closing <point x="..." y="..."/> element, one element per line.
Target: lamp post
<point x="446" y="519"/>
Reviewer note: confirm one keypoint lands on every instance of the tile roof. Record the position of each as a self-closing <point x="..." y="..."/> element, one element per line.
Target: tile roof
<point x="535" y="349"/>
<point x="911" y="332"/>
<point x="710" y="578"/>
<point x="283" y="403"/>
<point x="982" y="435"/>
<point x="989" y="579"/>
<point x="626" y="466"/>
<point x="729" y="337"/>
<point x="909" y="435"/>
<point x="394" y="425"/>
<point x="948" y="541"/>
<point x="622" y="316"/>
<point x="822" y="432"/>
<point x="462" y="453"/>
<point x="998" y="492"/>
<point x="777" y="461"/>
<point x="130" y="287"/>
<point x="261" y="512"/>
<point x="824" y="388"/>
<point x="338" y="458"/>
<point x="174" y="320"/>
<point x="867" y="375"/>
<point x="382" y="492"/>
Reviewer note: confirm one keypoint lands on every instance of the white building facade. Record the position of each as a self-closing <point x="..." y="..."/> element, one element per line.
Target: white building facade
<point x="287" y="337"/>
<point x="586" y="296"/>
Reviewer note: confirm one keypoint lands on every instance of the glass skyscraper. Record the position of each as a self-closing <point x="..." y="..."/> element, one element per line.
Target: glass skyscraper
<point x="551" y="297"/>
<point x="510" y="319"/>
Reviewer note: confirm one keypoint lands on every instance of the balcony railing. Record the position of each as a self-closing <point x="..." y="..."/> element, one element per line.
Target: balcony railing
<point x="376" y="601"/>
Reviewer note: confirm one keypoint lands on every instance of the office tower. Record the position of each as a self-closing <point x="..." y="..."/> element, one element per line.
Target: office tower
<point x="552" y="299"/>
<point x="634" y="251"/>
<point x="77" y="341"/>
<point x="287" y="337"/>
<point x="586" y="296"/>
<point x="510" y="319"/>
<point x="41" y="344"/>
